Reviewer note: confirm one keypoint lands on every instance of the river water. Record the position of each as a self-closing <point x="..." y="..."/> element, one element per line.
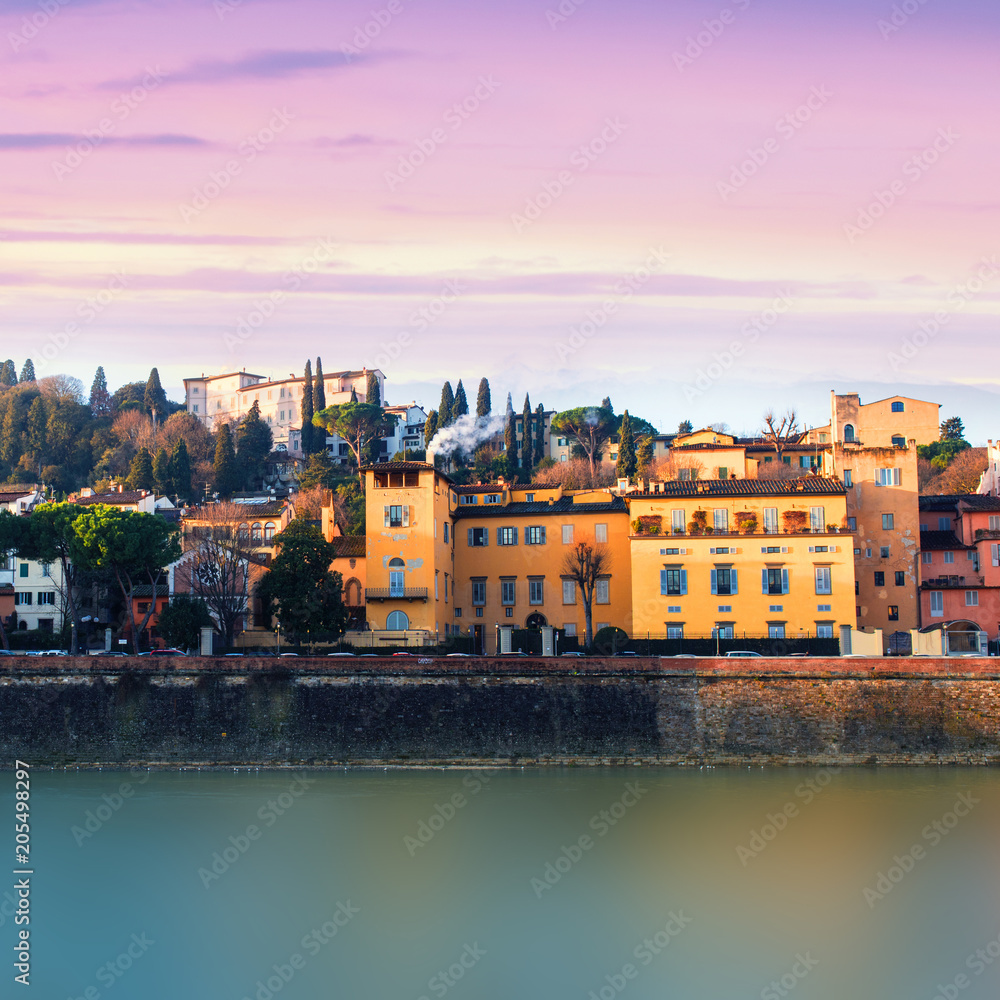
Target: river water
<point x="562" y="883"/>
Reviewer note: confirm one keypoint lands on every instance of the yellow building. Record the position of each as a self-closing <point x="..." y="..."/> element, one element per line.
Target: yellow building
<point x="761" y="557"/>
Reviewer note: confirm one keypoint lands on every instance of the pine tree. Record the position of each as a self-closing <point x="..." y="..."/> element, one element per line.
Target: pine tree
<point x="100" y="398"/>
<point x="484" y="404"/>
<point x="319" y="388"/>
<point x="180" y="470"/>
<point x="140" y="473"/>
<point x="460" y="407"/>
<point x="162" y="479"/>
<point x="27" y="372"/>
<point x="430" y="427"/>
<point x="308" y="409"/>
<point x="527" y="444"/>
<point x="373" y="394"/>
<point x="8" y="374"/>
<point x="539" y="433"/>
<point x="226" y="471"/>
<point x="254" y="443"/>
<point x="155" y="399"/>
<point x="444" y="407"/>
<point x="606" y="404"/>
<point x="685" y="427"/>
<point x="627" y="464"/>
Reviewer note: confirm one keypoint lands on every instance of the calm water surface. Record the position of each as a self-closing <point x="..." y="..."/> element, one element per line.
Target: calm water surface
<point x="641" y="883"/>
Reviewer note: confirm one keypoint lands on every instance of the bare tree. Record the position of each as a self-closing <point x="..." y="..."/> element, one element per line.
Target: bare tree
<point x="781" y="432"/>
<point x="586" y="564"/>
<point x="963" y="472"/>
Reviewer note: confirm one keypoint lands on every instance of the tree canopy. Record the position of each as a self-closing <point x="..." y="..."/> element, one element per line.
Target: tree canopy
<point x="589" y="426"/>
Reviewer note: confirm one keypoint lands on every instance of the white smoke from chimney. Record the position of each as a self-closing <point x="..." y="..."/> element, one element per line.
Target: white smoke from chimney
<point x="464" y="435"/>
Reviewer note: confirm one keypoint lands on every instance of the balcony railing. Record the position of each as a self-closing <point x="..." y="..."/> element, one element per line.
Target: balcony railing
<point x="735" y="533"/>
<point x="952" y="583"/>
<point x="396" y="594"/>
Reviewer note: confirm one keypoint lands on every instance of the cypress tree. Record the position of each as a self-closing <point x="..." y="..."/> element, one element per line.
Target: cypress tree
<point x="226" y="472"/>
<point x="539" y="433"/>
<point x="606" y="404"/>
<point x="510" y="443"/>
<point x="180" y="470"/>
<point x="8" y="374"/>
<point x="319" y="388"/>
<point x="461" y="405"/>
<point x="155" y="399"/>
<point x="254" y="443"/>
<point x="527" y="444"/>
<point x="373" y="394"/>
<point x="644" y="458"/>
<point x="430" y="427"/>
<point x="140" y="473"/>
<point x="27" y="372"/>
<point x="444" y="407"/>
<point x="354" y="395"/>
<point x="484" y="405"/>
<point x="626" y="465"/>
<point x="308" y="409"/>
<point x="100" y="398"/>
<point x="162" y="479"/>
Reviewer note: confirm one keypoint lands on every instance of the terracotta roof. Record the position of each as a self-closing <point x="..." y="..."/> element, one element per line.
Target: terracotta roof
<point x="540" y="508"/>
<point x="350" y="545"/>
<point x="938" y="541"/>
<point x="804" y="486"/>
<point x="6" y="497"/>
<point x="951" y="501"/>
<point x="146" y="590"/>
<point x="114" y="499"/>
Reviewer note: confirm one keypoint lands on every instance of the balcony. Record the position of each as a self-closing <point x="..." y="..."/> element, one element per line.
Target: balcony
<point x="395" y="594"/>
<point x="952" y="583"/>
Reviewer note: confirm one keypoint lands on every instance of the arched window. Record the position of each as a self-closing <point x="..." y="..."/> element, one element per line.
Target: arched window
<point x="243" y="532"/>
<point x="848" y="432"/>
<point x="397" y="622"/>
<point x="397" y="577"/>
<point x="255" y="532"/>
<point x="269" y="531"/>
<point x="352" y="592"/>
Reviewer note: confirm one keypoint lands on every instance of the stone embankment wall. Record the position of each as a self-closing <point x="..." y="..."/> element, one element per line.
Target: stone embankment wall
<point x="512" y="710"/>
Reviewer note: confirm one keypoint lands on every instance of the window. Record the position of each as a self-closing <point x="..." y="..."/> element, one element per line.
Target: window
<point x="774" y="581"/>
<point x="569" y="592"/>
<point x="894" y="612"/>
<point x="508" y="612"/>
<point x="397" y="577"/>
<point x="722" y="631"/>
<point x="897" y="406"/>
<point x="269" y="531"/>
<point x="994" y="522"/>
<point x="857" y="587"/>
<point x="22" y="598"/>
<point x="720" y="519"/>
<point x="468" y="498"/>
<point x="852" y="524"/>
<point x="600" y="533"/>
<point x="888" y="477"/>
<point x="506" y="536"/>
<point x="396" y="516"/>
<point x="949" y="557"/>
<point x="824" y="607"/>
<point x="775" y="631"/>
<point x="529" y="497"/>
<point x="724" y="580"/>
<point x="567" y="534"/>
<point x="397" y="622"/>
<point x="534" y="535"/>
<point x="771" y="520"/>
<point x="435" y="585"/>
<point x="536" y="591"/>
<point x="677" y="522"/>
<point x="926" y="557"/>
<point x="479" y="592"/>
<point x="971" y="599"/>
<point x="723" y="472"/>
<point x="492" y="498"/>
<point x="848" y="477"/>
<point x="868" y="553"/>
<point x="602" y="592"/>
<point x="479" y="537"/>
<point x="569" y="628"/>
<point x="458" y="612"/>
<point x="46" y="569"/>
<point x="24" y="569"/>
<point x="479" y="612"/>
<point x="824" y="631"/>
<point x="673" y="582"/>
<point x="675" y="631"/>
<point x="725" y="609"/>
<point x="944" y="524"/>
<point x="824" y="584"/>
<point x="879" y="579"/>
<point x="256" y="532"/>
<point x="817" y="519"/>
<point x="195" y="408"/>
<point x="937" y="602"/>
<point x="446" y="588"/>
<point x="508" y="591"/>
<point x="849" y="432"/>
<point x="887" y="522"/>
<point x="447" y="526"/>
<point x="900" y="578"/>
<point x="49" y="597"/>
<point x="899" y="441"/>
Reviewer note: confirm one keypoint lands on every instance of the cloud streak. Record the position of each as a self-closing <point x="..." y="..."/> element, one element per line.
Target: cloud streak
<point x="57" y="140"/>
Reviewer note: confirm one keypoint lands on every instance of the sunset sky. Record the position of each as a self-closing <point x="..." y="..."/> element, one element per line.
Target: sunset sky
<point x="208" y="186"/>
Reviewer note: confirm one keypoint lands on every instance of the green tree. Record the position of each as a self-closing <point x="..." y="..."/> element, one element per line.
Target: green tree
<point x="644" y="457"/>
<point x="461" y="405"/>
<point x="319" y="388"/>
<point x="8" y="374"/>
<point x="307" y="411"/>
<point x="952" y="429"/>
<point x="539" y="434"/>
<point x="373" y="394"/>
<point x="162" y="480"/>
<point x="100" y="400"/>
<point x="300" y="587"/>
<point x="27" y="372"/>
<point x="430" y="427"/>
<point x="590" y="427"/>
<point x="319" y="471"/>
<point x="181" y="621"/>
<point x="180" y="470"/>
<point x="444" y="407"/>
<point x="606" y="404"/>
<point x="130" y="396"/>
<point x="484" y="405"/>
<point x="37" y="430"/>
<point x="685" y="427"/>
<point x="132" y="547"/>
<point x="359" y="424"/>
<point x="140" y="473"/>
<point x="254" y="444"/>
<point x="627" y="464"/>
<point x="227" y="473"/>
<point x="154" y="398"/>
<point x="510" y="444"/>
<point x="527" y="442"/>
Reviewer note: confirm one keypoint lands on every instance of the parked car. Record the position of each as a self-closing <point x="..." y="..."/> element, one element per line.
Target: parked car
<point x="741" y="653"/>
<point x="167" y="652"/>
<point x="339" y="654"/>
<point x="402" y="653"/>
<point x="571" y="653"/>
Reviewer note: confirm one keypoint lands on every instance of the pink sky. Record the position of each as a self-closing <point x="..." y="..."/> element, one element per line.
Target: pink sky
<point x="341" y="123"/>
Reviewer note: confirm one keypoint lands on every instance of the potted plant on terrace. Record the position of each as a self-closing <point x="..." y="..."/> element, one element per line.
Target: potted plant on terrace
<point x="794" y="521"/>
<point x="746" y="522"/>
<point x="698" y="523"/>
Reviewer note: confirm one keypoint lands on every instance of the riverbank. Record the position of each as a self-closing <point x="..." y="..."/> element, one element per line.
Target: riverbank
<point x="326" y="712"/>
